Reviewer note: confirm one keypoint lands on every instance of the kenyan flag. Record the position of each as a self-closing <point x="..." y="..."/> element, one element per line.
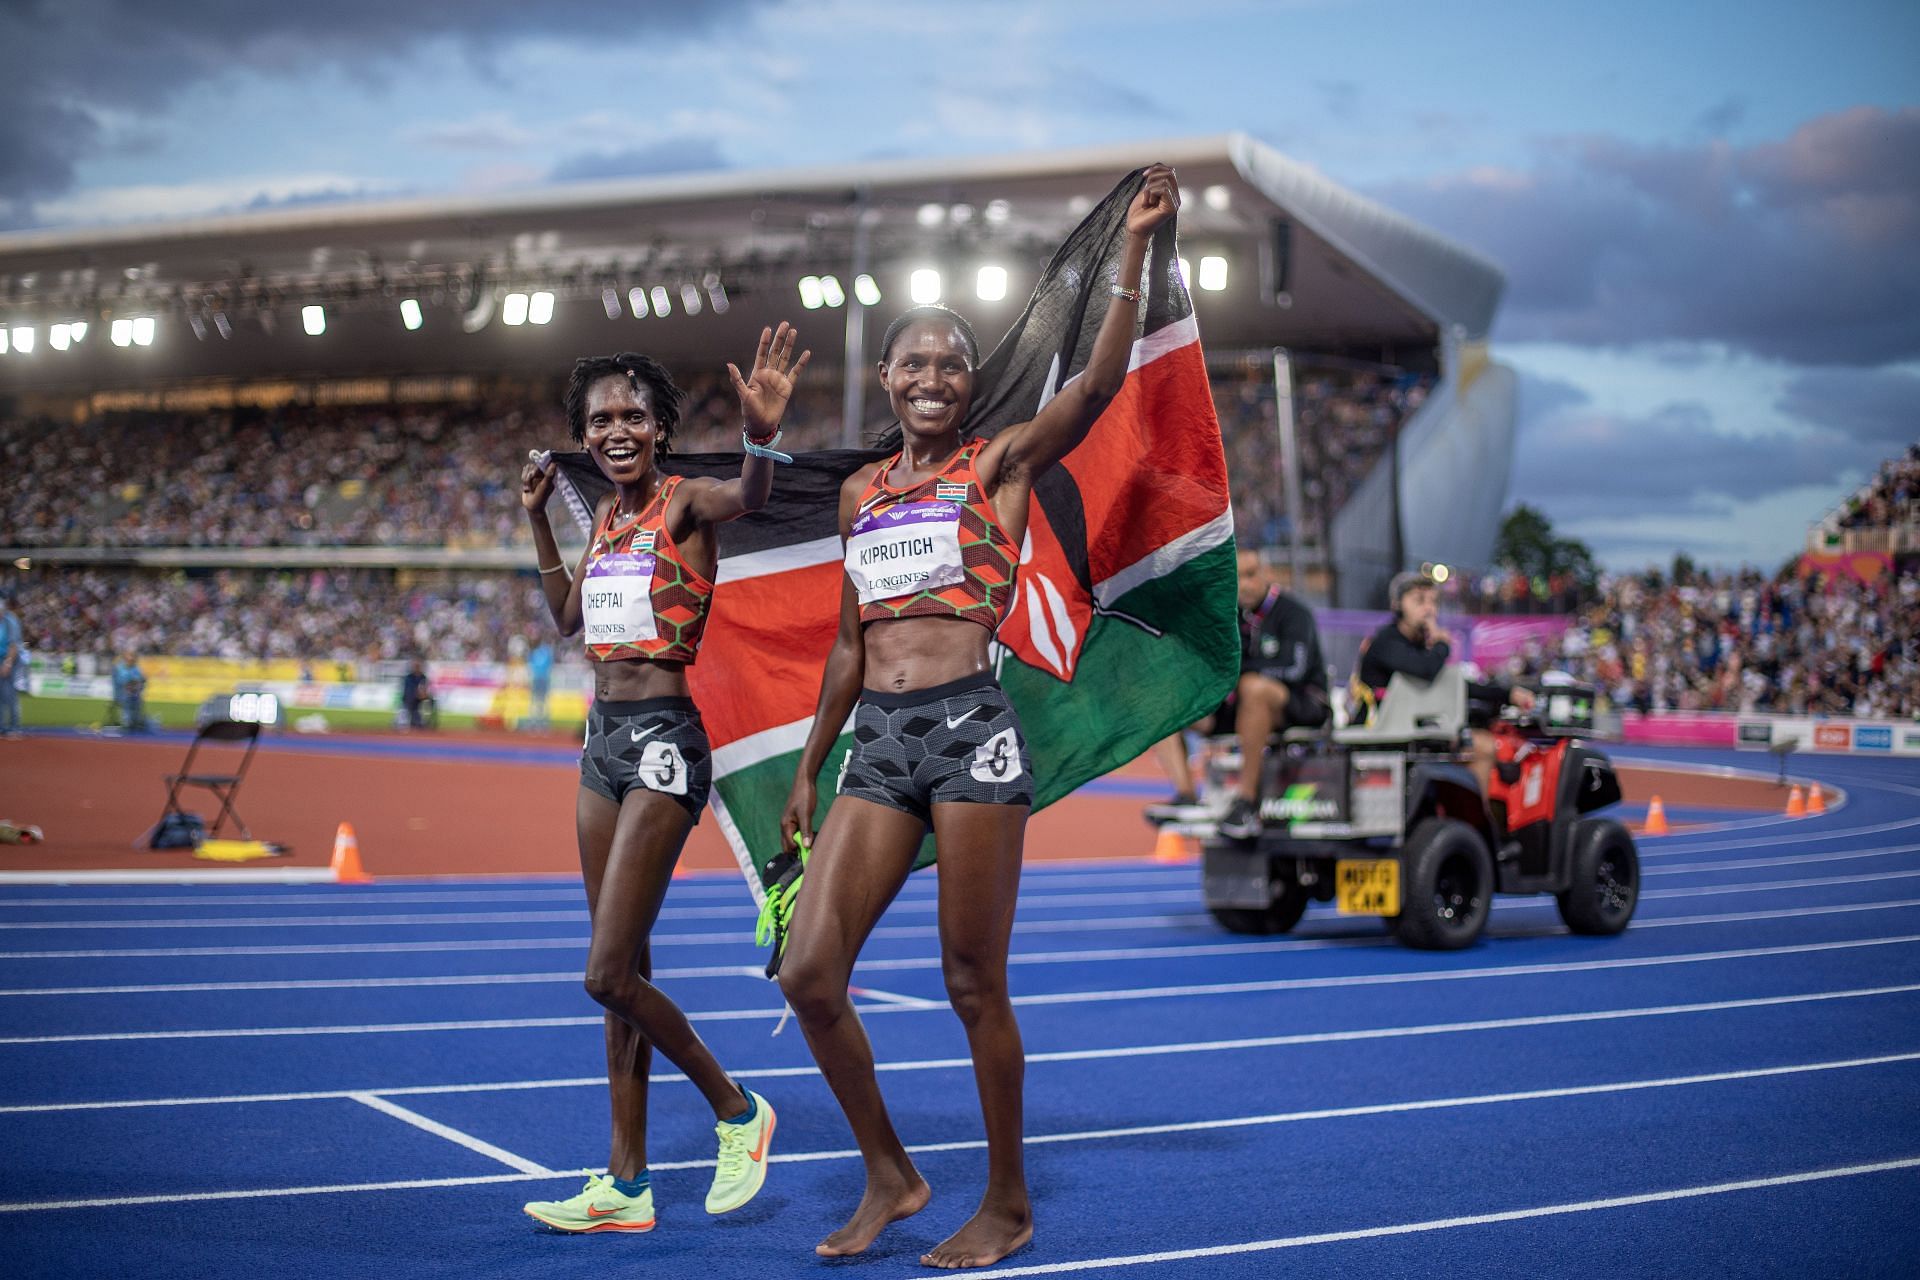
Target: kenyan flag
<point x="1123" y="625"/>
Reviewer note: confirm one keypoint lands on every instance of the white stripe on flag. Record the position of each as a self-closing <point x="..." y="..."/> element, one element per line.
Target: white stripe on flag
<point x="1165" y="558"/>
<point x="1162" y="340"/>
<point x="798" y="555"/>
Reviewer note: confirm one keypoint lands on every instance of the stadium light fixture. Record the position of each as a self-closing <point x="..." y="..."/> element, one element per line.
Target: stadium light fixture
<point x="716" y="293"/>
<point x="540" y="307"/>
<point x="143" y="328"/>
<point x="1213" y="273"/>
<point x="690" y="301"/>
<point x="121" y="332"/>
<point x="1186" y="269"/>
<point x="610" y="302"/>
<point x="991" y="284"/>
<point x="57" y="337"/>
<point x="923" y="286"/>
<point x="867" y="289"/>
<point x="513" y="309"/>
<point x="998" y="211"/>
<point x="661" y="306"/>
<point x="78" y="328"/>
<point x="6" y="342"/>
<point x="194" y="322"/>
<point x="410" y="313"/>
<point x="637" y="300"/>
<point x="222" y="326"/>
<point x="831" y="292"/>
<point x="23" y="339"/>
<point x="931" y="215"/>
<point x="960" y="214"/>
<point x="812" y="296"/>
<point x="1217" y="198"/>
<point x="313" y="318"/>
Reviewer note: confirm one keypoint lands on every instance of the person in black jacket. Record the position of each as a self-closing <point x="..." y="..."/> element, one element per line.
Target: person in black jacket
<point x="1283" y="685"/>
<point x="1414" y="644"/>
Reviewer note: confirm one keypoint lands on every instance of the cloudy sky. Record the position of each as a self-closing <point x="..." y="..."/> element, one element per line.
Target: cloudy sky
<point x="1709" y="214"/>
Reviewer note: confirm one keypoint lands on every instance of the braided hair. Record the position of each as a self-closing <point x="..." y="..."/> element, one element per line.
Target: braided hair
<point x="638" y="370"/>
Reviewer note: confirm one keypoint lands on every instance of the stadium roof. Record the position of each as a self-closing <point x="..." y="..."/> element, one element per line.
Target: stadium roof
<point x="1309" y="265"/>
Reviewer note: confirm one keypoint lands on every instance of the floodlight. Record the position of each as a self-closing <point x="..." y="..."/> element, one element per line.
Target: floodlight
<point x="831" y="291"/>
<point x="812" y="296"/>
<point x="1217" y="198"/>
<point x="867" y="290"/>
<point x="143" y="331"/>
<point x="637" y="299"/>
<point x="1213" y="273"/>
<point x="313" y="319"/>
<point x="540" y="307"/>
<point x="991" y="284"/>
<point x="923" y="286"/>
<point x="690" y="299"/>
<point x="57" y="337"/>
<point x="410" y="314"/>
<point x="23" y="339"/>
<point x="121" y="332"/>
<point x="513" y="309"/>
<point x="932" y="215"/>
<point x="661" y="306"/>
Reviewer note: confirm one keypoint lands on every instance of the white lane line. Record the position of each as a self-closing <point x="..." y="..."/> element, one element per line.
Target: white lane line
<point x="895" y="998"/>
<point x="1746" y="864"/>
<point x="1451" y="1224"/>
<point x="1047" y="1139"/>
<point x="710" y="971"/>
<point x="1306" y="942"/>
<point x="1296" y="1039"/>
<point x="1059" y="998"/>
<point x="455" y="1136"/>
<point x="1838" y="833"/>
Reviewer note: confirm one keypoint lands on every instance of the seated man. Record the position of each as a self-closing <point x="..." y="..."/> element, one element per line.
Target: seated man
<point x="1414" y="644"/>
<point x="1283" y="685"/>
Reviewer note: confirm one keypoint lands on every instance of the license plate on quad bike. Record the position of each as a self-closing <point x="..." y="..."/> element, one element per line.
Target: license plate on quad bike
<point x="1368" y="886"/>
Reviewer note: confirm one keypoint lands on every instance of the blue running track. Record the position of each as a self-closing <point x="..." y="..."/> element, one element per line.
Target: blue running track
<point x="300" y="1081"/>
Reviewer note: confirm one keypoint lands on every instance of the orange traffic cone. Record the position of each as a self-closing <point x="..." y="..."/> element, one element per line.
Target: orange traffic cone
<point x="346" y="857"/>
<point x="1796" y="803"/>
<point x="1171" y="846"/>
<point x="1656" y="818"/>
<point x="1816" y="799"/>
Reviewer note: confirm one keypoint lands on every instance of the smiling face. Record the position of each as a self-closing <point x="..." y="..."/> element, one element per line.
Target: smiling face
<point x="928" y="374"/>
<point x="621" y="429"/>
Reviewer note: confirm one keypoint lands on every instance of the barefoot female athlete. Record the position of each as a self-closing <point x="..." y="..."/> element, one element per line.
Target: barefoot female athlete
<point x="641" y="593"/>
<point x="933" y="538"/>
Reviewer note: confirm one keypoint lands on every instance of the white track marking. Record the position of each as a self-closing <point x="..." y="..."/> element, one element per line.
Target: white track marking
<point x="895" y="998"/>
<point x="1747" y="864"/>
<point x="1451" y="1224"/>
<point x="916" y="963"/>
<point x="1047" y="1139"/>
<point x="1296" y="1039"/>
<point x="438" y="1130"/>
<point x="1060" y="998"/>
<point x="186" y="875"/>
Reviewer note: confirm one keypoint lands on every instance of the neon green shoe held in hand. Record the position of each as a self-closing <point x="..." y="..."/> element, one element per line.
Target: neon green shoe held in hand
<point x="598" y="1207"/>
<point x="742" y="1167"/>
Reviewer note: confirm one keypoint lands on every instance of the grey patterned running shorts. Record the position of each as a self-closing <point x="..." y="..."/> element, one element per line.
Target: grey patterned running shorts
<point x="655" y="743"/>
<point x="956" y="742"/>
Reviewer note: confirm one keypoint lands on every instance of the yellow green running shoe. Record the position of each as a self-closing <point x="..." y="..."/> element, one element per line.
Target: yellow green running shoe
<point x="742" y="1167"/>
<point x="598" y="1207"/>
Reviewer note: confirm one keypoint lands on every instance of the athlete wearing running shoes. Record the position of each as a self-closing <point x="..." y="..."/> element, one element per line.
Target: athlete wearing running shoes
<point x="641" y="594"/>
<point x="932" y="541"/>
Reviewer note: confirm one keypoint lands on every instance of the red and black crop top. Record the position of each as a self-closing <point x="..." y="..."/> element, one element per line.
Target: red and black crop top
<point x="936" y="549"/>
<point x="639" y="597"/>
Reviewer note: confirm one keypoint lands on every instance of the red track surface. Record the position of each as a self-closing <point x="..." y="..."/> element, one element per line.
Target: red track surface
<point x="95" y="797"/>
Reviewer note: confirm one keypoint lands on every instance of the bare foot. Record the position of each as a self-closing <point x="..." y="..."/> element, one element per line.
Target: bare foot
<point x="884" y="1202"/>
<point x="989" y="1236"/>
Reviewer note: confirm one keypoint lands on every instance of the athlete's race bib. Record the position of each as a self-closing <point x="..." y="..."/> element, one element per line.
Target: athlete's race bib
<point x="905" y="549"/>
<point x="617" y="600"/>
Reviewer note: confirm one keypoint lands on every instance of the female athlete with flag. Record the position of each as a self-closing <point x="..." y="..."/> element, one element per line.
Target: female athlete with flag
<point x="932" y="541"/>
<point x="641" y="594"/>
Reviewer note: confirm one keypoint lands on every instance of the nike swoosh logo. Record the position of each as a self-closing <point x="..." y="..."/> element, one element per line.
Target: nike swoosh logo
<point x="639" y="733"/>
<point x="759" y="1153"/>
<point x="954" y="722"/>
<point x="600" y="1213"/>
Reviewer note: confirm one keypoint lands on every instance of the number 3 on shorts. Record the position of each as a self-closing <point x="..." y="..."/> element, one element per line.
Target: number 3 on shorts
<point x="663" y="768"/>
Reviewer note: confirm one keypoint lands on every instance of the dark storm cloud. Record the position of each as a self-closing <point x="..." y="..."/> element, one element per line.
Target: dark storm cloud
<point x="670" y="155"/>
<point x="1880" y="408"/>
<point x="1806" y="249"/>
<point x="1683" y="463"/>
<point x="66" y="64"/>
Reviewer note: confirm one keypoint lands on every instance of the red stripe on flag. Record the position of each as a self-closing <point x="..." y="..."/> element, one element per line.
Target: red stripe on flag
<point x="766" y="643"/>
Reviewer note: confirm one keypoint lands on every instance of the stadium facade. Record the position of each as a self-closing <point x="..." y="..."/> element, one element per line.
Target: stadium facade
<point x="447" y="297"/>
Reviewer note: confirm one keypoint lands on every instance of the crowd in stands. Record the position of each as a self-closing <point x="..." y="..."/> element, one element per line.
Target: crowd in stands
<point x="318" y="615"/>
<point x="448" y="475"/>
<point x="1892" y="499"/>
<point x="1749" y="642"/>
<point x="1343" y="422"/>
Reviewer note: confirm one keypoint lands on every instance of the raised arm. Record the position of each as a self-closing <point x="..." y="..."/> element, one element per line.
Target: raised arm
<point x="763" y="399"/>
<point x="561" y="589"/>
<point x="1022" y="452"/>
<point x="839" y="684"/>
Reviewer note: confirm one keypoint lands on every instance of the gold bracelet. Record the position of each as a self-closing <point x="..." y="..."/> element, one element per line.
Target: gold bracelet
<point x="559" y="568"/>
